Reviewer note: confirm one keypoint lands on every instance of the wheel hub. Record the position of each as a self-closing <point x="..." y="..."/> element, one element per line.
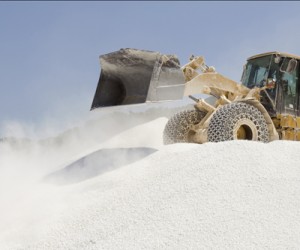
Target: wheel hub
<point x="245" y="129"/>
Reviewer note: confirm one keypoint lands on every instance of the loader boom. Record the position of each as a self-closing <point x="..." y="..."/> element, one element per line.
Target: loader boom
<point x="265" y="107"/>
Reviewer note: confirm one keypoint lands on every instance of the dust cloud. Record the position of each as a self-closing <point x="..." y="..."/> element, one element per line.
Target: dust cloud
<point x="32" y="167"/>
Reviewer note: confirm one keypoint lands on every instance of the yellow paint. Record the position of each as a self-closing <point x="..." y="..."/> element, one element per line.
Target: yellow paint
<point x="289" y="121"/>
<point x="289" y="126"/>
<point x="290" y="134"/>
<point x="241" y="133"/>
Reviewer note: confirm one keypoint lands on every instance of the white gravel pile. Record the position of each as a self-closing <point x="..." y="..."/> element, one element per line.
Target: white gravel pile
<point x="231" y="195"/>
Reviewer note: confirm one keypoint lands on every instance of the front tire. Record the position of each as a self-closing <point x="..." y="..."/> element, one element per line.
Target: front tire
<point x="178" y="128"/>
<point x="238" y="121"/>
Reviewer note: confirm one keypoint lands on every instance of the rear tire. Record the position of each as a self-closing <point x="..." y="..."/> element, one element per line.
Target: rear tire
<point x="238" y="121"/>
<point x="178" y="128"/>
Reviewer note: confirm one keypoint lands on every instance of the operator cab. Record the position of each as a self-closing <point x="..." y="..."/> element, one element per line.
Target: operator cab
<point x="279" y="73"/>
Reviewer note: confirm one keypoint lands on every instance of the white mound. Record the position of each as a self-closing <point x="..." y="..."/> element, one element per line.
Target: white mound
<point x="231" y="195"/>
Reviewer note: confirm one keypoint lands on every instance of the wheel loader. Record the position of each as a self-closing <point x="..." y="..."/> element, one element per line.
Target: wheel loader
<point x="264" y="107"/>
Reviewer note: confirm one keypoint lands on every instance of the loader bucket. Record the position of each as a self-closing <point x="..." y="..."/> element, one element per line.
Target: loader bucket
<point x="131" y="76"/>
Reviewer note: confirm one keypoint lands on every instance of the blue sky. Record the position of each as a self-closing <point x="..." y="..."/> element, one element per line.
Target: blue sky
<point x="49" y="51"/>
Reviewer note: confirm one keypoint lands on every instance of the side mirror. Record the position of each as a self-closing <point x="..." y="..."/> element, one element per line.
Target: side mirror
<point x="289" y="65"/>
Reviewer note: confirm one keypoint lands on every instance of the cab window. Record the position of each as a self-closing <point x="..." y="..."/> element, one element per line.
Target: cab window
<point x="289" y="83"/>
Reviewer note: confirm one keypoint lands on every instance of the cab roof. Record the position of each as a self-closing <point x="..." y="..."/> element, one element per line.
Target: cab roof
<point x="283" y="54"/>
